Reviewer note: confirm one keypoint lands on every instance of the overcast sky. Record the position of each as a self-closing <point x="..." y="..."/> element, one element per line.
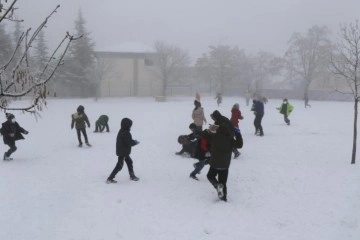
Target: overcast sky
<point x="193" y="24"/>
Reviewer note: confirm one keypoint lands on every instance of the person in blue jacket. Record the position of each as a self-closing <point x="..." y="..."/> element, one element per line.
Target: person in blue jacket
<point x="258" y="109"/>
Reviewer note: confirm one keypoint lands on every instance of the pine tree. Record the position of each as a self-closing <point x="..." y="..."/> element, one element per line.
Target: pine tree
<point x="5" y="45"/>
<point x="16" y="36"/>
<point x="41" y="54"/>
<point x="82" y="52"/>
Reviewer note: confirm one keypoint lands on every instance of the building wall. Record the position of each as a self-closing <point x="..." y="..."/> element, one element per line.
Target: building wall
<point x="127" y="74"/>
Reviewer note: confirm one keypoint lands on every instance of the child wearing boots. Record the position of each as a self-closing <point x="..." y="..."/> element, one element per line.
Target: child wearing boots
<point x="286" y="108"/>
<point x="202" y="152"/>
<point x="221" y="150"/>
<point x="11" y="132"/>
<point x="79" y="119"/>
<point x="102" y="123"/>
<point x="124" y="143"/>
<point x="235" y="116"/>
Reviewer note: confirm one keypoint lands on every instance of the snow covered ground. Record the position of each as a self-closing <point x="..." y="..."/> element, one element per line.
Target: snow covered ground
<point x="295" y="183"/>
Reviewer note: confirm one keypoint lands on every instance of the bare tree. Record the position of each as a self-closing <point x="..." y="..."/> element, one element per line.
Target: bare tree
<point x="170" y="59"/>
<point x="307" y="56"/>
<point x="221" y="65"/>
<point x="20" y="80"/>
<point x="346" y="64"/>
<point x="262" y="66"/>
<point x="103" y="67"/>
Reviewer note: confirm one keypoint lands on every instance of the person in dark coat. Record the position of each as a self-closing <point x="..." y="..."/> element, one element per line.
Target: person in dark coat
<point x="124" y="143"/>
<point x="220" y="119"/>
<point x="202" y="152"/>
<point x="189" y="141"/>
<point x="11" y="132"/>
<point x="221" y="150"/>
<point x="102" y="123"/>
<point x="79" y="119"/>
<point x="218" y="99"/>
<point x="258" y="109"/>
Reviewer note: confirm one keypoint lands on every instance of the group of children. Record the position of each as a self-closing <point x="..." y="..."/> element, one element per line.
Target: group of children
<point x="124" y="141"/>
<point x="209" y="146"/>
<point x="213" y="146"/>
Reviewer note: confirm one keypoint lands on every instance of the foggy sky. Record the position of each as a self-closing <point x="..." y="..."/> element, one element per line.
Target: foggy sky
<point x="193" y="25"/>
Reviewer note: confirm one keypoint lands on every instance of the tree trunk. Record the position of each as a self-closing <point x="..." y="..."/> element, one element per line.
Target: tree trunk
<point x="353" y="157"/>
<point x="164" y="86"/>
<point x="306" y="93"/>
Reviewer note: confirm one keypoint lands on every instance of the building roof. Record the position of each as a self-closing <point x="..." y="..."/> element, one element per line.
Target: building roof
<point x="129" y="47"/>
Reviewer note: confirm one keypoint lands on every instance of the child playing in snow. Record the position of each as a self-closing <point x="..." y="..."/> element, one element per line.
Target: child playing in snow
<point x="11" y="132"/>
<point x="79" y="119"/>
<point x="102" y="123"/>
<point x="124" y="143"/>
<point x="202" y="152"/>
<point x="235" y="116"/>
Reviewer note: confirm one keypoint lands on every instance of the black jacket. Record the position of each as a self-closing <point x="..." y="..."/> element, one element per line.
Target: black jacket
<point x="221" y="148"/>
<point x="124" y="140"/>
<point x="8" y="128"/>
<point x="220" y="119"/>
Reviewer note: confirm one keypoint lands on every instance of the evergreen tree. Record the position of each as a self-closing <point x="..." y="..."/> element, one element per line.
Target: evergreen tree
<point x="5" y="45"/>
<point x="82" y="53"/>
<point x="41" y="55"/>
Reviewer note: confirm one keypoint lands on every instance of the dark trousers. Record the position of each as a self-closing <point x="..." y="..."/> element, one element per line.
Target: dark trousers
<point x="286" y="119"/>
<point x="11" y="150"/>
<point x="222" y="176"/>
<point x="257" y="123"/>
<point x="83" y="131"/>
<point x="199" y="166"/>
<point x="99" y="127"/>
<point x="120" y="164"/>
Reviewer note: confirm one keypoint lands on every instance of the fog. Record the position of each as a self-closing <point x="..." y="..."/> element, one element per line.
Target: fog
<point x="192" y="24"/>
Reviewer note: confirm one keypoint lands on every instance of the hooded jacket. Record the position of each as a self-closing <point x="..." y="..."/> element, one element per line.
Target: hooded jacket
<point x="124" y="141"/>
<point x="79" y="118"/>
<point x="221" y="148"/>
<point x="220" y="119"/>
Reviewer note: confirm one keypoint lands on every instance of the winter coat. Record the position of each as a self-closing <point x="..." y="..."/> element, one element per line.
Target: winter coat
<point x="124" y="141"/>
<point x="221" y="148"/>
<point x="220" y="119"/>
<point x="79" y="119"/>
<point x="103" y="120"/>
<point x="235" y="116"/>
<point x="286" y="108"/>
<point x="9" y="128"/>
<point x="257" y="107"/>
<point x="198" y="116"/>
<point x="203" y="145"/>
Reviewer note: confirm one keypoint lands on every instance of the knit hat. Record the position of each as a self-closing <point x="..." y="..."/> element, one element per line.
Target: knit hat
<point x="192" y="126"/>
<point x="9" y="116"/>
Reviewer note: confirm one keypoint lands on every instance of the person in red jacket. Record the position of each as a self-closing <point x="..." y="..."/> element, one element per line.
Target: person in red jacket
<point x="235" y="117"/>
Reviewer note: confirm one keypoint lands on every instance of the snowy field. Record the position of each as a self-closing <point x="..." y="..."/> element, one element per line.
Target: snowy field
<point x="295" y="183"/>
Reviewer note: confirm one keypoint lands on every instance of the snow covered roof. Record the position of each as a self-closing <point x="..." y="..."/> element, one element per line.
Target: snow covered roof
<point x="129" y="47"/>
